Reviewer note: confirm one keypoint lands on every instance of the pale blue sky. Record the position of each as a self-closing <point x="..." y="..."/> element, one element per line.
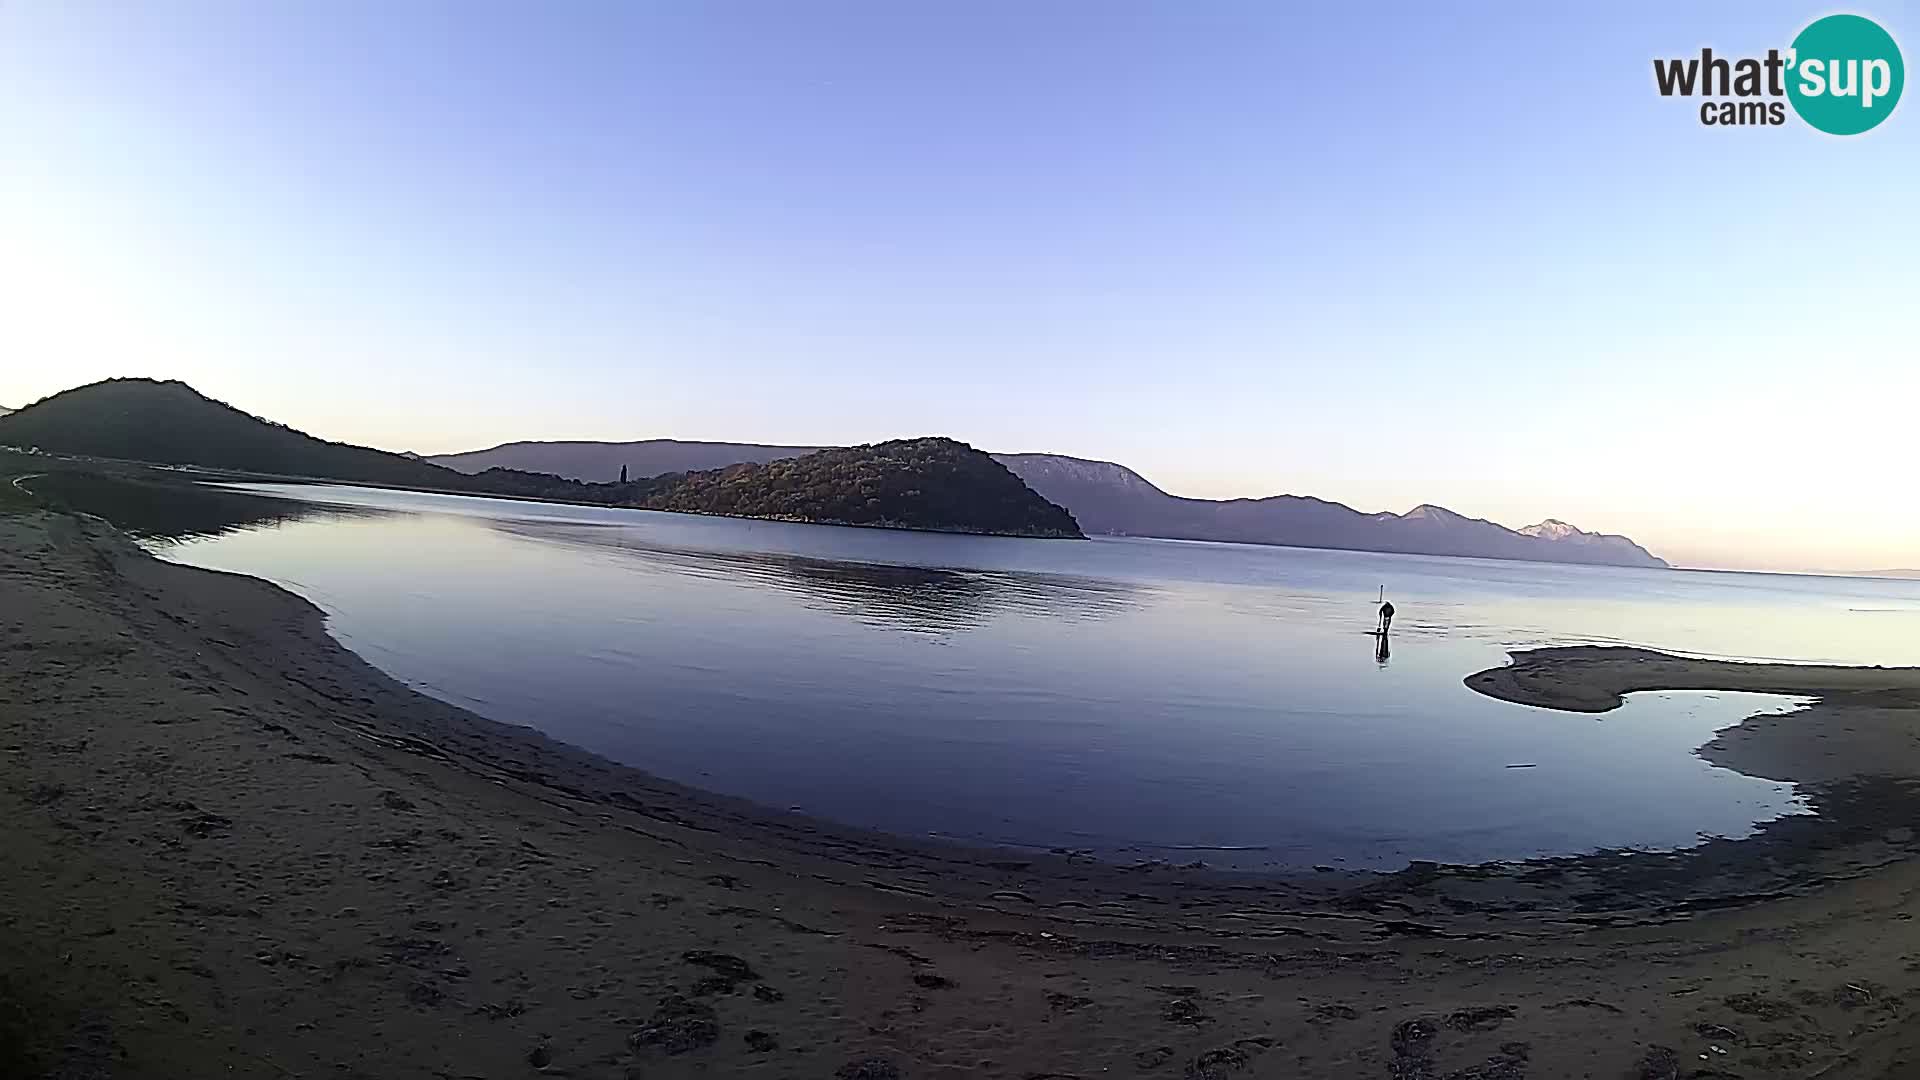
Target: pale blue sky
<point x="1384" y="254"/>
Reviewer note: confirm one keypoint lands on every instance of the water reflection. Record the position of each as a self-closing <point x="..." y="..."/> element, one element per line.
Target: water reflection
<point x="915" y="599"/>
<point x="156" y="505"/>
<point x="1200" y="696"/>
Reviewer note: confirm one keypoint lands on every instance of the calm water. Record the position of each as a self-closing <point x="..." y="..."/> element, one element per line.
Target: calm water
<point x="1134" y="698"/>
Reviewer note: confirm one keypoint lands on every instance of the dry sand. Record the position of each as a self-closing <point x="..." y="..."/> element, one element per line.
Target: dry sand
<point x="234" y="849"/>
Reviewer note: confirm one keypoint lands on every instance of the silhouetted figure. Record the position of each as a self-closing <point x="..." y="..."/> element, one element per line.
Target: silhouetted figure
<point x="1386" y="619"/>
<point x="623" y="474"/>
<point x="1382" y="652"/>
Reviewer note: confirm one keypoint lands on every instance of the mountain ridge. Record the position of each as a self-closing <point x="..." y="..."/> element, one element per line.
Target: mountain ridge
<point x="1109" y="498"/>
<point x="171" y="423"/>
<point x="1106" y="497"/>
<point x="599" y="461"/>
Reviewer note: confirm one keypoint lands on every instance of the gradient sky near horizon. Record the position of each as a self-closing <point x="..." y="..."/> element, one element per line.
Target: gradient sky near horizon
<point x="1384" y="254"/>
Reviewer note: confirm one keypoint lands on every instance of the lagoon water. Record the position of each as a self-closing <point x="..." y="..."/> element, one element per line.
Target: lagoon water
<point x="1136" y="699"/>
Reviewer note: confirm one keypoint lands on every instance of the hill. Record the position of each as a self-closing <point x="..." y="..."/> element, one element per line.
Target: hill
<point x="933" y="483"/>
<point x="601" y="462"/>
<point x="170" y="423"/>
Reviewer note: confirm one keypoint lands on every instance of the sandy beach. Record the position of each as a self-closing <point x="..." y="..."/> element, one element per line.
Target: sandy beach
<point x="236" y="849"/>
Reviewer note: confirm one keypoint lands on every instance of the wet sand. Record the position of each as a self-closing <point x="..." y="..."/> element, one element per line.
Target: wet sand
<point x="233" y="848"/>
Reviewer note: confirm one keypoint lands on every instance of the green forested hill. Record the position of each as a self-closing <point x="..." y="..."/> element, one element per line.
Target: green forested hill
<point x="929" y="483"/>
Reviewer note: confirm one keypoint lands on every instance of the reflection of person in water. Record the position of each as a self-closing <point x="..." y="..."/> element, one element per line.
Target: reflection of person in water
<point x="1386" y="618"/>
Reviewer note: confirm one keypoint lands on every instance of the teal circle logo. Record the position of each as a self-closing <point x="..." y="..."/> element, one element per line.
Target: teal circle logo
<point x="1845" y="74"/>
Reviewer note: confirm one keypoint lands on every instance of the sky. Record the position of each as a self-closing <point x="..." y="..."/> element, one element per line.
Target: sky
<point x="1383" y="254"/>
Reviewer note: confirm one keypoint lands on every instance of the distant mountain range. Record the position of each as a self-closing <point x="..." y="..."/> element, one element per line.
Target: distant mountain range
<point x="601" y="462"/>
<point x="1109" y="498"/>
<point x="1112" y="499"/>
<point x="930" y="484"/>
<point x="924" y="483"/>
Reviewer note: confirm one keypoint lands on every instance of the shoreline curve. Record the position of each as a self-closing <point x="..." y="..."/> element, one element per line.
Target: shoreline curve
<point x="236" y="847"/>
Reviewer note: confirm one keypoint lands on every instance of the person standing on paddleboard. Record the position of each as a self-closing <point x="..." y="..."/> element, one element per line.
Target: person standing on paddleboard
<point x="1386" y="616"/>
